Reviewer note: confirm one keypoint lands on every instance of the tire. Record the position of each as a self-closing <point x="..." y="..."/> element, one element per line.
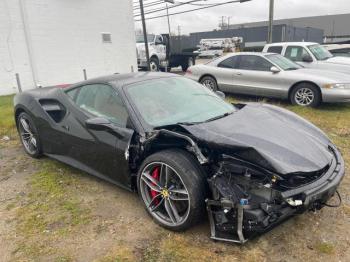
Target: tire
<point x="154" y="64"/>
<point x="187" y="64"/>
<point x="29" y="135"/>
<point x="181" y="167"/>
<point x="210" y="83"/>
<point x="305" y="94"/>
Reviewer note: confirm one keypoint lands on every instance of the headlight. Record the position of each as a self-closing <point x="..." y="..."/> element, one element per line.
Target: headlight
<point x="337" y="86"/>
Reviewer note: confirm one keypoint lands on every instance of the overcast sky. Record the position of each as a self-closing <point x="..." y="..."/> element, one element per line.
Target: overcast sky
<point x="256" y="10"/>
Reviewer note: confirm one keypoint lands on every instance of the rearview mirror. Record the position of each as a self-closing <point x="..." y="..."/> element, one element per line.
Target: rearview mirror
<point x="307" y="58"/>
<point x="220" y="94"/>
<point x="274" y="70"/>
<point x="98" y="123"/>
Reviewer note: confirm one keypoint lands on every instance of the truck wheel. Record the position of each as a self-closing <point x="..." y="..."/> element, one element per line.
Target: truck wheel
<point x="154" y="64"/>
<point x="172" y="187"/>
<point x="305" y="94"/>
<point x="187" y="64"/>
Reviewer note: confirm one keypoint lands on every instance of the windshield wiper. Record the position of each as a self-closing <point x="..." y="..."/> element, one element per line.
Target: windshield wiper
<point x="188" y="123"/>
<point x="218" y="117"/>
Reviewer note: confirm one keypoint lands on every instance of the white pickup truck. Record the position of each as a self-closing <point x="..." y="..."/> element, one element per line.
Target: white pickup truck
<point x="311" y="55"/>
<point x="164" y="52"/>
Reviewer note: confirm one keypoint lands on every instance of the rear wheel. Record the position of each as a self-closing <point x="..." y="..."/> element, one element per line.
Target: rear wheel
<point x="187" y="64"/>
<point x="29" y="135"/>
<point x="305" y="94"/>
<point x="171" y="185"/>
<point x="210" y="83"/>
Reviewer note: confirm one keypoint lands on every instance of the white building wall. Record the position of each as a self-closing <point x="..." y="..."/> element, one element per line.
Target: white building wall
<point x="64" y="38"/>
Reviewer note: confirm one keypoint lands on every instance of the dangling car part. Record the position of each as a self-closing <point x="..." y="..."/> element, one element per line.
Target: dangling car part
<point x="185" y="150"/>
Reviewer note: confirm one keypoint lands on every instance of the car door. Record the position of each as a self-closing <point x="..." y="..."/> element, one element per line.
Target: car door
<point x="160" y="47"/>
<point x="101" y="152"/>
<point x="296" y="54"/>
<point x="223" y="73"/>
<point x="253" y="75"/>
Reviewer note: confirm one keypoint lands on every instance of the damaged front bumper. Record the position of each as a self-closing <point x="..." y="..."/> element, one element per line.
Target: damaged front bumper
<point x="244" y="205"/>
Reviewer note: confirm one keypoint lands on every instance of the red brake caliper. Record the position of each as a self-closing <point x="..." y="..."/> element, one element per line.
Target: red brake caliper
<point x="155" y="175"/>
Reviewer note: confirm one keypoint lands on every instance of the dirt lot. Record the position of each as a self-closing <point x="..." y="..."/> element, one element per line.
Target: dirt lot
<point x="50" y="212"/>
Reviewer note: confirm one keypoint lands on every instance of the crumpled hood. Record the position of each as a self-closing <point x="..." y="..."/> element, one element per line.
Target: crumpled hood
<point x="268" y="136"/>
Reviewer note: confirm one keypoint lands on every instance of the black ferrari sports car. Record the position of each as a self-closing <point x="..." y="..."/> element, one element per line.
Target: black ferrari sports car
<point x="185" y="150"/>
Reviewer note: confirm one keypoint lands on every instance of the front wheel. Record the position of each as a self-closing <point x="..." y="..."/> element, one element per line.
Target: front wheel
<point x="171" y="186"/>
<point x="209" y="82"/>
<point x="305" y="94"/>
<point x="154" y="64"/>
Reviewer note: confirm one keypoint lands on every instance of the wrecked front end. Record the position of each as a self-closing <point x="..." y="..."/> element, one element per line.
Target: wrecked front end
<point x="247" y="200"/>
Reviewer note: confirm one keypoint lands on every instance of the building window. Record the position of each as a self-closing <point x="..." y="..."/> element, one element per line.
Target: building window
<point x="106" y="38"/>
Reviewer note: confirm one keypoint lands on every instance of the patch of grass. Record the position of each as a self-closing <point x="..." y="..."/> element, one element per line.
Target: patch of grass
<point x="177" y="248"/>
<point x="51" y="209"/>
<point x="325" y="248"/>
<point x="120" y="254"/>
<point x="7" y="122"/>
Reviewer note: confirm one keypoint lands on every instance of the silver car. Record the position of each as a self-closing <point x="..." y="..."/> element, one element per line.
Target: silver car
<point x="272" y="75"/>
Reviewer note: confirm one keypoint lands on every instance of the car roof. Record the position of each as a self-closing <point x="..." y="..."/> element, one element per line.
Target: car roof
<point x="292" y="43"/>
<point x="126" y="79"/>
<point x="251" y="53"/>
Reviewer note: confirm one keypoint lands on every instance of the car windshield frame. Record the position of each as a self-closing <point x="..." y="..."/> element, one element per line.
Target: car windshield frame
<point x="318" y="55"/>
<point x="147" y="125"/>
<point x="282" y="62"/>
<point x="141" y="39"/>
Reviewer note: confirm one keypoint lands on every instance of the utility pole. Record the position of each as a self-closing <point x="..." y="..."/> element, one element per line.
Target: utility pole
<point x="222" y="22"/>
<point x="167" y="14"/>
<point x="228" y="22"/>
<point x="144" y="33"/>
<point x="271" y="9"/>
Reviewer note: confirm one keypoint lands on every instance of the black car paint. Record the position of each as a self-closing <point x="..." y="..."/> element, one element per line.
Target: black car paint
<point x="258" y="137"/>
<point x="259" y="133"/>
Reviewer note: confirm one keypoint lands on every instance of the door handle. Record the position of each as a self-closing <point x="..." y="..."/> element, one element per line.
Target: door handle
<point x="66" y="127"/>
<point x="238" y="74"/>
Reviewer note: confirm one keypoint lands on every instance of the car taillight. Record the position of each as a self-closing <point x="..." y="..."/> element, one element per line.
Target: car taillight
<point x="188" y="71"/>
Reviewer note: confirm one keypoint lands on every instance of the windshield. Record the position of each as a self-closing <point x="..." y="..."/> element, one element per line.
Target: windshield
<point x="282" y="62"/>
<point x="141" y="39"/>
<point x="176" y="100"/>
<point x="320" y="52"/>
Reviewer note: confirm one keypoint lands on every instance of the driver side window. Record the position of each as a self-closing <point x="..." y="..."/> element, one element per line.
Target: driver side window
<point x="102" y="100"/>
<point x="159" y="39"/>
<point x="296" y="53"/>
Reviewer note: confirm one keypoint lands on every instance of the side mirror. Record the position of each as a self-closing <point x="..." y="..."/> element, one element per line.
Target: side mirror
<point x="220" y="94"/>
<point x="307" y="58"/>
<point x="103" y="124"/>
<point x="274" y="70"/>
<point x="98" y="123"/>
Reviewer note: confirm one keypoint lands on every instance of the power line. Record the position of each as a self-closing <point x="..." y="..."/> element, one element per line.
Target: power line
<point x="165" y="8"/>
<point x="191" y="10"/>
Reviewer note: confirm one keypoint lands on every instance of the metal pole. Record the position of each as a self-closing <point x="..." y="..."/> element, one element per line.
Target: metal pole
<point x="144" y="33"/>
<point x="84" y="72"/>
<point x="269" y="36"/>
<point x="18" y="83"/>
<point x="167" y="14"/>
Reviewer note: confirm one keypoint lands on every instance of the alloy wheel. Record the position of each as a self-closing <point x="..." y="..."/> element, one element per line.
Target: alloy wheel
<point x="164" y="194"/>
<point x="304" y="96"/>
<point x="28" y="136"/>
<point x="209" y="84"/>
